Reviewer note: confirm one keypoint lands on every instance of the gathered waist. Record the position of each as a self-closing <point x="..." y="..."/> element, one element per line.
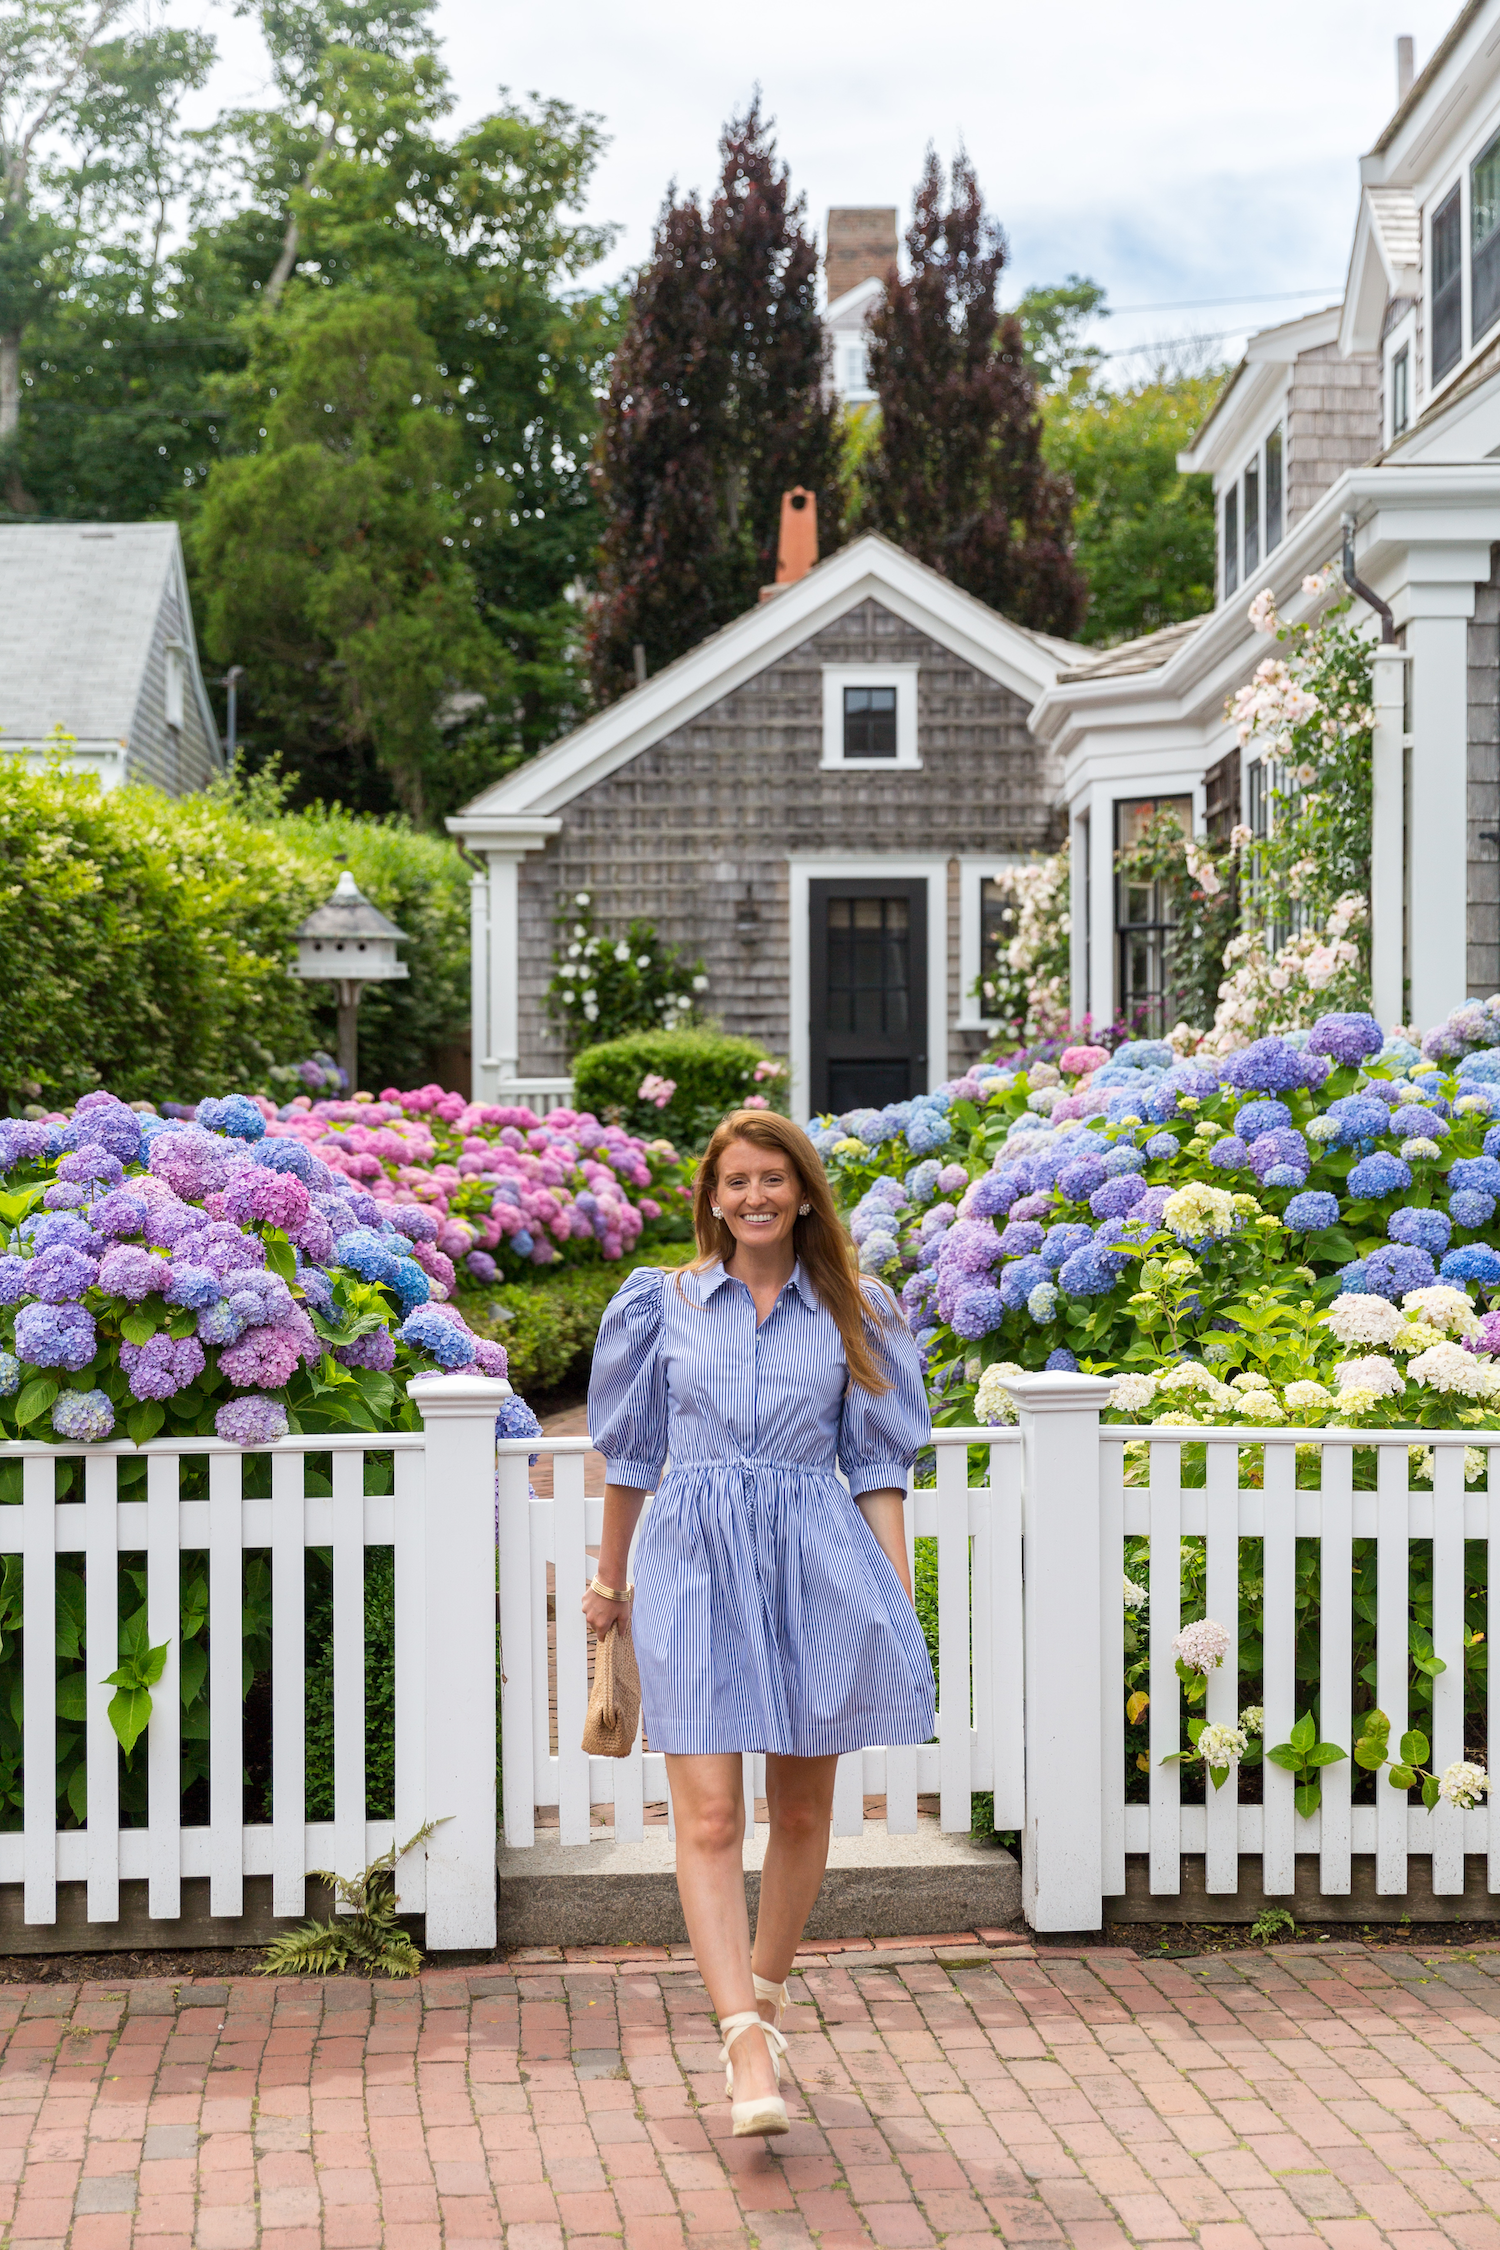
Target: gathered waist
<point x="750" y="1465"/>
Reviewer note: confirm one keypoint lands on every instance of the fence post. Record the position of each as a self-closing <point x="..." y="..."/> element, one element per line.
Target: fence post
<point x="458" y="1418"/>
<point x="1062" y="1844"/>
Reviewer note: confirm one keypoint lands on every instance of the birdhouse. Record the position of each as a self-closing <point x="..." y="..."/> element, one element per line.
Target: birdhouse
<point x="349" y="939"/>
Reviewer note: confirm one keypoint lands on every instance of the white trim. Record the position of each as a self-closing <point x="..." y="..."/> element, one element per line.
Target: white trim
<point x="901" y="677"/>
<point x="801" y="873"/>
<point x="972" y="872"/>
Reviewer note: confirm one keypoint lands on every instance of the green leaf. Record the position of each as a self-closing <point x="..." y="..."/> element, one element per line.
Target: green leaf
<point x="1287" y="1757"/>
<point x="129" y="1714"/>
<point x="36" y="1399"/>
<point x="280" y="1256"/>
<point x="1403" y="1777"/>
<point x="1414" y="1748"/>
<point x="1305" y="1733"/>
<point x="1325" y="1754"/>
<point x="1430" y="1791"/>
<point x="138" y="1327"/>
<point x="1195" y="1728"/>
<point x="145" y="1420"/>
<point x="1308" y="1798"/>
<point x="73" y="1697"/>
<point x="192" y="1669"/>
<point x="1220" y="1775"/>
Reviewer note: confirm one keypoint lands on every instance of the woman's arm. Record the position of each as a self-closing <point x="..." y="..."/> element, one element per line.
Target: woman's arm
<point x="885" y="1513"/>
<point x="622" y="1512"/>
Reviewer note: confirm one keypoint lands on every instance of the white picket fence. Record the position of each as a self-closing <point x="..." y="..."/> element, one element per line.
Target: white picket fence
<point x="1030" y="1632"/>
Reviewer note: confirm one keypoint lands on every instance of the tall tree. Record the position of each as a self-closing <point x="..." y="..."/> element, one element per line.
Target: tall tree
<point x="716" y="407"/>
<point x="959" y="478"/>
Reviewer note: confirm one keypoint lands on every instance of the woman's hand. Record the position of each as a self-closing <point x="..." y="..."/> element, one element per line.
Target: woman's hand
<point x="601" y="1616"/>
<point x="885" y="1513"/>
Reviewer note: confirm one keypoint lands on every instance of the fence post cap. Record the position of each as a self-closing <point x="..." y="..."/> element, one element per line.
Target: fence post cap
<point x="1058" y="1392"/>
<point x="435" y="1396"/>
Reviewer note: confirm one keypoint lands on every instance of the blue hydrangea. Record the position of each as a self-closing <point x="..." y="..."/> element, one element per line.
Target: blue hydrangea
<point x="1396" y="1267"/>
<point x="369" y="1254"/>
<point x="10" y="1374"/>
<point x="13" y="1273"/>
<point x="1061" y="1362"/>
<point x="1426" y="1230"/>
<point x="922" y="1179"/>
<point x="1358" y="1120"/>
<point x="1144" y="1054"/>
<point x="83" y="1416"/>
<point x="978" y="1310"/>
<point x="1116" y="1196"/>
<point x="1124" y="1157"/>
<point x="1398" y="1054"/>
<point x="1021" y="1237"/>
<point x="991" y="1194"/>
<point x="193" y="1286"/>
<point x="1282" y="1149"/>
<point x="516" y="1420"/>
<point x="55" y="1336"/>
<point x="1468" y="1208"/>
<point x="1062" y="1241"/>
<point x="1230" y="1154"/>
<point x="236" y="1116"/>
<point x="1348" y="1038"/>
<point x="927" y="1132"/>
<point x="219" y="1323"/>
<point x="1415" y="1121"/>
<point x="1482" y="1173"/>
<point x="316" y="1288"/>
<point x="411" y="1284"/>
<point x="1162" y="1147"/>
<point x="109" y="1125"/>
<point x="1267" y="1066"/>
<point x="1484" y="1065"/>
<point x="1353" y="1280"/>
<point x="1382" y="1174"/>
<point x="1476" y="1261"/>
<point x="1262" y="1117"/>
<point x="1091" y="1271"/>
<point x="1310" y="1213"/>
<point x="1018" y="1280"/>
<point x="429" y="1330"/>
<point x="1079" y="1179"/>
<point x="1283" y="1176"/>
<point x="522" y="1242"/>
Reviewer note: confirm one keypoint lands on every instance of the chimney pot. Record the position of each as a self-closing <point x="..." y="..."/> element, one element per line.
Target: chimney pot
<point x="1406" y="66"/>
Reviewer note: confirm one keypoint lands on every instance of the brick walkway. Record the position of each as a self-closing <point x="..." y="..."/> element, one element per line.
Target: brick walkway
<point x="1312" y="2097"/>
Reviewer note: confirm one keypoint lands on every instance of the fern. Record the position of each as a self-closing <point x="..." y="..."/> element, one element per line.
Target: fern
<point x="368" y="1937"/>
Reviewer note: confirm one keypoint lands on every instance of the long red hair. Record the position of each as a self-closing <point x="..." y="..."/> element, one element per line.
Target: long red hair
<point x="827" y="1255"/>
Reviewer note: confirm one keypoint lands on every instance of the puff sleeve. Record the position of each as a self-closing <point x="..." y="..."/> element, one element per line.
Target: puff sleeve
<point x="879" y="1438"/>
<point x="628" y="1385"/>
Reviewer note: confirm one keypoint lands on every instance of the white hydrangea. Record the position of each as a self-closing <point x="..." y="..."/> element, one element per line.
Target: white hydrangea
<point x="1322" y="1129"/>
<point x="1445" y="1307"/>
<point x="1198" y="1212"/>
<point x="1134" y="1596"/>
<point x="1221" y="1747"/>
<point x="1449" y="1368"/>
<point x="992" y="1401"/>
<point x="1202" y="1647"/>
<point x="1476" y="1463"/>
<point x="1304" y="1396"/>
<point x="1262" y="1406"/>
<point x="1419" y="1148"/>
<point x="1381" y="1378"/>
<point x="1354" y="1402"/>
<point x="1252" y="1719"/>
<point x="1467" y="1102"/>
<point x="1132" y="1394"/>
<point x="1359" y="1319"/>
<point x="1187" y="1375"/>
<point x="1250" y="1380"/>
<point x="1418" y="1336"/>
<point x="1463" y="1784"/>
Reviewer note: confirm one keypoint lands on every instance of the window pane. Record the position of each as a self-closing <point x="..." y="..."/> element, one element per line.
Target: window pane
<point x="1484" y="287"/>
<point x="870" y="722"/>
<point x="1273" y="489"/>
<point x="1447" y="286"/>
<point x="1484" y="194"/>
<point x="1252" y="519"/>
<point x="1231" y="538"/>
<point x="1400" y="390"/>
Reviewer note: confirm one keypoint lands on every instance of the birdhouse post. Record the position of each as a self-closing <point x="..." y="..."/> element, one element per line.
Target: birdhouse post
<point x="349" y="943"/>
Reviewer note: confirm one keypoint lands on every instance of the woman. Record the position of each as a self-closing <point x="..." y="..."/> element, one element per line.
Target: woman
<point x="772" y="1605"/>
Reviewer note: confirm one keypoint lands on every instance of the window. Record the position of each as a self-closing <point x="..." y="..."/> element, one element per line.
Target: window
<point x="1484" y="242"/>
<point x="869" y="722"/>
<point x="1231" y="538"/>
<point x="1273" y="489"/>
<point x="1447" y="286"/>
<point x="1252" y="518"/>
<point x="176" y="670"/>
<point x="856" y="369"/>
<point x="869" y="717"/>
<point x="1143" y="922"/>
<point x="1400" y="390"/>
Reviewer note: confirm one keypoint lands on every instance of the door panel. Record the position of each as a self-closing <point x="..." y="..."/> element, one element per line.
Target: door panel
<point x="868" y="991"/>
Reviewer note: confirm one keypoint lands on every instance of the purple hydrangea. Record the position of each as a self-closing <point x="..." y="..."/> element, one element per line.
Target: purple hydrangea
<point x="972" y="1245"/>
<point x="219" y="1323"/>
<point x="162" y="1366"/>
<point x="1416" y="1121"/>
<point x="1262" y="1117"/>
<point x="236" y="1116"/>
<point x="1162" y="1147"/>
<point x="1476" y="1261"/>
<point x="492" y="1359"/>
<point x="1061" y="1362"/>
<point x="1229" y="1155"/>
<point x="425" y="1330"/>
<point x="1425" y="1230"/>
<point x="86" y="1166"/>
<point x="194" y="1163"/>
<point x="1396" y="1267"/>
<point x="1267" y="1066"/>
<point x="129" y="1271"/>
<point x="1150" y="1208"/>
<point x="314" y="1238"/>
<point x="251" y="1421"/>
<point x="1038" y="1206"/>
<point x="1021" y="1237"/>
<point x="222" y="1248"/>
<point x="23" y="1141"/>
<point x="992" y="1193"/>
<point x="419" y="1225"/>
<point x="108" y="1125"/>
<point x="1091" y="1271"/>
<point x="376" y="1350"/>
<point x="977" y="1311"/>
<point x="63" y="1195"/>
<point x="256" y="1197"/>
<point x="260" y="1298"/>
<point x="1018" y="1280"/>
<point x="268" y="1358"/>
<point x="1281" y="1149"/>
<point x="83" y="1416"/>
<point x="196" y="1287"/>
<point x="55" y="1336"/>
<point x="53" y="1227"/>
<point x="953" y="1179"/>
<point x="1348" y="1038"/>
<point x="1079" y="1179"/>
<point x="13" y="1273"/>
<point x="1062" y="1241"/>
<point x="167" y="1222"/>
<point x="1482" y="1173"/>
<point x="62" y="1274"/>
<point x="1377" y="1176"/>
<point x="119" y="1214"/>
<point x="366" y="1253"/>
<point x="1309" y="1214"/>
<point x="1117" y="1196"/>
<point x="1468" y="1208"/>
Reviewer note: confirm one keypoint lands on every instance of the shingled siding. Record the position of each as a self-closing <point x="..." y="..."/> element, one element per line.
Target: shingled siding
<point x="1332" y="423"/>
<point x="719" y="805"/>
<point x="1484" y="786"/>
<point x="177" y="760"/>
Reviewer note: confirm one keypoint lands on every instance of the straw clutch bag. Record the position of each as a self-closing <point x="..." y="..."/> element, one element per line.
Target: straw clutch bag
<point x="614" y="1712"/>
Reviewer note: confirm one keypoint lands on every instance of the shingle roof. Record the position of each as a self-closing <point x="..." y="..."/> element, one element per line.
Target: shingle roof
<point x="78" y="609"/>
<point x="1395" y="215"/>
<point x="1148" y="654"/>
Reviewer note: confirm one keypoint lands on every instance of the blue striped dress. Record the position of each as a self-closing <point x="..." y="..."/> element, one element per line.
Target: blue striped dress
<point x="766" y="1616"/>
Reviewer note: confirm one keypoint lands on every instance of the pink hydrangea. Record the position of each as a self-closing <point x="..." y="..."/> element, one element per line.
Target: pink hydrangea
<point x="257" y="1197"/>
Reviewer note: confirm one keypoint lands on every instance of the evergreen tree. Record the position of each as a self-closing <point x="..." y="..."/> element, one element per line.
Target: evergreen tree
<point x="959" y="479"/>
<point x="715" y="408"/>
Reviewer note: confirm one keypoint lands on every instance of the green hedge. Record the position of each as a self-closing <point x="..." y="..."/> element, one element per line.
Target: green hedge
<point x="548" y="1325"/>
<point x="146" y="940"/>
<point x="712" y="1072"/>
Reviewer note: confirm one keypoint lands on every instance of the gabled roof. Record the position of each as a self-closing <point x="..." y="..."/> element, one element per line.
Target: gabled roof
<point x="1253" y="386"/>
<point x="1027" y="663"/>
<point x="79" y="604"/>
<point x="855" y="306"/>
<point x="1147" y="654"/>
<point x="1385" y="262"/>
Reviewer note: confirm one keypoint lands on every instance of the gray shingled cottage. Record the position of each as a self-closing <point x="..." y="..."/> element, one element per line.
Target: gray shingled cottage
<point x="96" y="637"/>
<point x="823" y="799"/>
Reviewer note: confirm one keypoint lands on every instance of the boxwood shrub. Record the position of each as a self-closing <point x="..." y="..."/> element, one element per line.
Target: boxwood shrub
<point x="712" y="1072"/>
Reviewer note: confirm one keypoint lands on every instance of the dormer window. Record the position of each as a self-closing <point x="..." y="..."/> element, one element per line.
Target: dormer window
<point x="1484" y="241"/>
<point x="1447" y="286"/>
<point x="869" y="722"/>
<point x="869" y="716"/>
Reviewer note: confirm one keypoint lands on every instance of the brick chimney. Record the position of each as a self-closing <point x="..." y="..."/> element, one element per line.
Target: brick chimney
<point x="861" y="246"/>
<point x="797" y="545"/>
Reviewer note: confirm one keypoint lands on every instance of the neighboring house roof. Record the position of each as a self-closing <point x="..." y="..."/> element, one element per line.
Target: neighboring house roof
<point x="1428" y="74"/>
<point x="79" y="605"/>
<point x="870" y="567"/>
<point x="1385" y="262"/>
<point x="1147" y="654"/>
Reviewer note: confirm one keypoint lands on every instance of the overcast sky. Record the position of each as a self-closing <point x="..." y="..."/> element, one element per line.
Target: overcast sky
<point x="1170" y="151"/>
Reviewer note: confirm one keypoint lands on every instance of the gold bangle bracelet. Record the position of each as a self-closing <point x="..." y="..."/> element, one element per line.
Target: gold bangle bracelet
<point x="610" y="1593"/>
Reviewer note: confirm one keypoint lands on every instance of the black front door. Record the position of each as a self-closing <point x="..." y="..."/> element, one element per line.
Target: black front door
<point x="868" y="991"/>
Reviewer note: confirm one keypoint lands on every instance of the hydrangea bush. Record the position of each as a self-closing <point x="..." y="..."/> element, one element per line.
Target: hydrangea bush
<point x="485" y="1191"/>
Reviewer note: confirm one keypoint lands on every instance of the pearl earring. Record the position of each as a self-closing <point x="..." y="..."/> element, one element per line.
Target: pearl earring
<point x="804" y="1208"/>
<point x="718" y="1214"/>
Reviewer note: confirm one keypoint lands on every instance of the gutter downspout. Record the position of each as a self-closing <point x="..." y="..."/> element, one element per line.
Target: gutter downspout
<point x="1357" y="585"/>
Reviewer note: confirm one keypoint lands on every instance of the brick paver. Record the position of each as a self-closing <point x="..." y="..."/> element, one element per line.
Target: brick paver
<point x="1299" y="2098"/>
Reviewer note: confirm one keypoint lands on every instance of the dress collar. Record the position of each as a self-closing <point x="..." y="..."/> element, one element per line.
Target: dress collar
<point x="712" y="1277"/>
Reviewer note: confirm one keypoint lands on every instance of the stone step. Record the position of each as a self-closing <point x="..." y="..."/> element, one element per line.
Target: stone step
<point x="877" y="1885"/>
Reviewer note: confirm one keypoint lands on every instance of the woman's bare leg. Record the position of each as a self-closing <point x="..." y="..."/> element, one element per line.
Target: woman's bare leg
<point x="799" y="1795"/>
<point x="708" y="1807"/>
